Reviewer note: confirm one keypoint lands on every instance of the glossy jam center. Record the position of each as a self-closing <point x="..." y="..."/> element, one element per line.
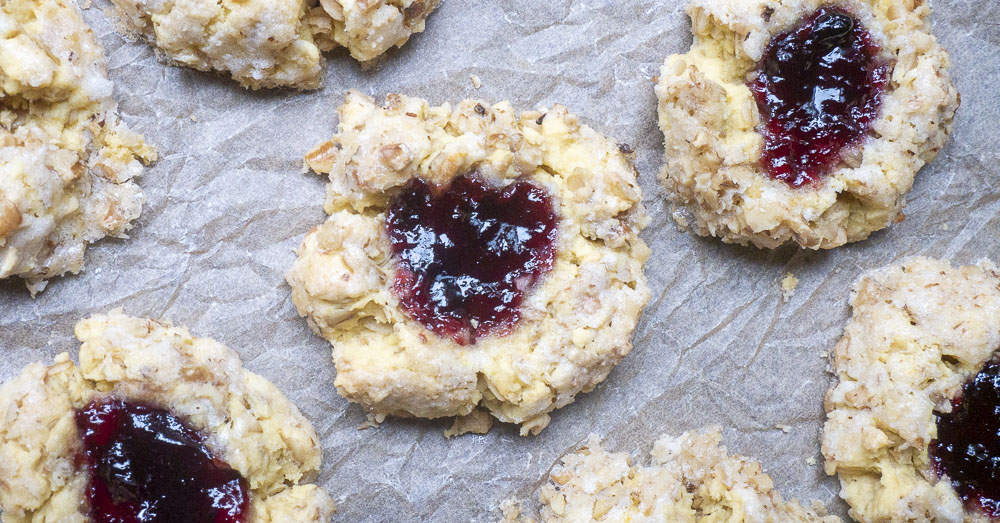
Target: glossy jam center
<point x="967" y="447"/>
<point x="467" y="253"/>
<point x="819" y="87"/>
<point x="146" y="465"/>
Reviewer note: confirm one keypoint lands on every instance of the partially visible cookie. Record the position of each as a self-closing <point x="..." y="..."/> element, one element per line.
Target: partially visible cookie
<point x="59" y="442"/>
<point x="913" y="395"/>
<point x="272" y="43"/>
<point x="801" y="120"/>
<point x="66" y="159"/>
<point x="691" y="478"/>
<point x="472" y="257"/>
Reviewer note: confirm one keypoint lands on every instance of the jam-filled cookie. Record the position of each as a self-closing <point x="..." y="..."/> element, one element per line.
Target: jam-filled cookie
<point x="153" y="425"/>
<point x="472" y="257"/>
<point x="912" y="426"/>
<point x="272" y="43"/>
<point x="691" y="478"/>
<point x="801" y="120"/>
<point x="66" y="160"/>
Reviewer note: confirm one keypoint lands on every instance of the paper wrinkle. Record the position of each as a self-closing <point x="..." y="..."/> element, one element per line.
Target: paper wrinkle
<point x="228" y="202"/>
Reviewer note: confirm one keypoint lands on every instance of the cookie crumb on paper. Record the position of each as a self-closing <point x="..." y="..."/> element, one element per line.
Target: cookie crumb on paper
<point x="788" y="285"/>
<point x="478" y="421"/>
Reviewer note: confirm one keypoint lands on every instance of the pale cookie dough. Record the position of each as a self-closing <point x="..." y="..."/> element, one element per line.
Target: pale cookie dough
<point x="247" y="422"/>
<point x="66" y="160"/>
<point x="920" y="330"/>
<point x="576" y="323"/>
<point x="272" y="43"/>
<point x="713" y="174"/>
<point x="691" y="479"/>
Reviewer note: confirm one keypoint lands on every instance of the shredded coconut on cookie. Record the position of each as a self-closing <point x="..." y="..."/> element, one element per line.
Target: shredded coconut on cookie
<point x="566" y="323"/>
<point x="273" y="43"/>
<point x="245" y="420"/>
<point x="921" y="329"/>
<point x="691" y="478"/>
<point x="66" y="159"/>
<point x="716" y="175"/>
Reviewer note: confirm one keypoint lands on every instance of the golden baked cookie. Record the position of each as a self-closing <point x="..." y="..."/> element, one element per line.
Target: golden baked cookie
<point x="77" y="442"/>
<point x="66" y="160"/>
<point x="801" y="120"/>
<point x="272" y="43"/>
<point x="472" y="257"/>
<point x="914" y="382"/>
<point x="691" y="478"/>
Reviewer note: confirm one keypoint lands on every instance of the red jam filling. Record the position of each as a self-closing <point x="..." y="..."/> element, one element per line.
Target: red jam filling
<point x="147" y="465"/>
<point x="819" y="87"/>
<point x="467" y="253"/>
<point x="967" y="448"/>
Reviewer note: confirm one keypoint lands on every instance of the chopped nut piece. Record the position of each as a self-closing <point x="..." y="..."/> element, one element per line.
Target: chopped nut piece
<point x="10" y="217"/>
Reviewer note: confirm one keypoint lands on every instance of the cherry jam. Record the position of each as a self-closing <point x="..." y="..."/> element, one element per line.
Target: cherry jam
<point x="146" y="465"/>
<point x="467" y="253"/>
<point x="819" y="87"/>
<point x="967" y="447"/>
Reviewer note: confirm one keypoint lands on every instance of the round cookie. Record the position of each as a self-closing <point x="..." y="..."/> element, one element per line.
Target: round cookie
<point x="716" y="138"/>
<point x="66" y="160"/>
<point x="920" y="330"/>
<point x="272" y="43"/>
<point x="691" y="478"/>
<point x="246" y="422"/>
<point x="575" y="322"/>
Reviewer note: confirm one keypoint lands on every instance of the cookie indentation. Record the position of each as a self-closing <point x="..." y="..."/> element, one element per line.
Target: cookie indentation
<point x="818" y="88"/>
<point x="967" y="448"/>
<point x="147" y="465"/>
<point x="466" y="254"/>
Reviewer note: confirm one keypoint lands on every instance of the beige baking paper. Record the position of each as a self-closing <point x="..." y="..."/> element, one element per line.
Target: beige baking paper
<point x="229" y="201"/>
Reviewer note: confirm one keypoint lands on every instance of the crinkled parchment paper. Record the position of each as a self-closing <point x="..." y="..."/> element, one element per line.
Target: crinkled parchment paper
<point x="228" y="201"/>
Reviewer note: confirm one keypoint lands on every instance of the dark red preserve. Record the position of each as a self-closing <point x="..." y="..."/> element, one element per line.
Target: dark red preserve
<point x="146" y="465"/>
<point x="819" y="87"/>
<point x="466" y="254"/>
<point x="967" y="448"/>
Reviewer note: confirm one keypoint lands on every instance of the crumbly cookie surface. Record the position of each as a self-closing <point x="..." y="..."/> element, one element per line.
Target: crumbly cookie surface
<point x="920" y="330"/>
<point x="273" y="43"/>
<point x="713" y="174"/>
<point x="247" y="422"/>
<point x="66" y="160"/>
<point x="691" y="478"/>
<point x="575" y="324"/>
